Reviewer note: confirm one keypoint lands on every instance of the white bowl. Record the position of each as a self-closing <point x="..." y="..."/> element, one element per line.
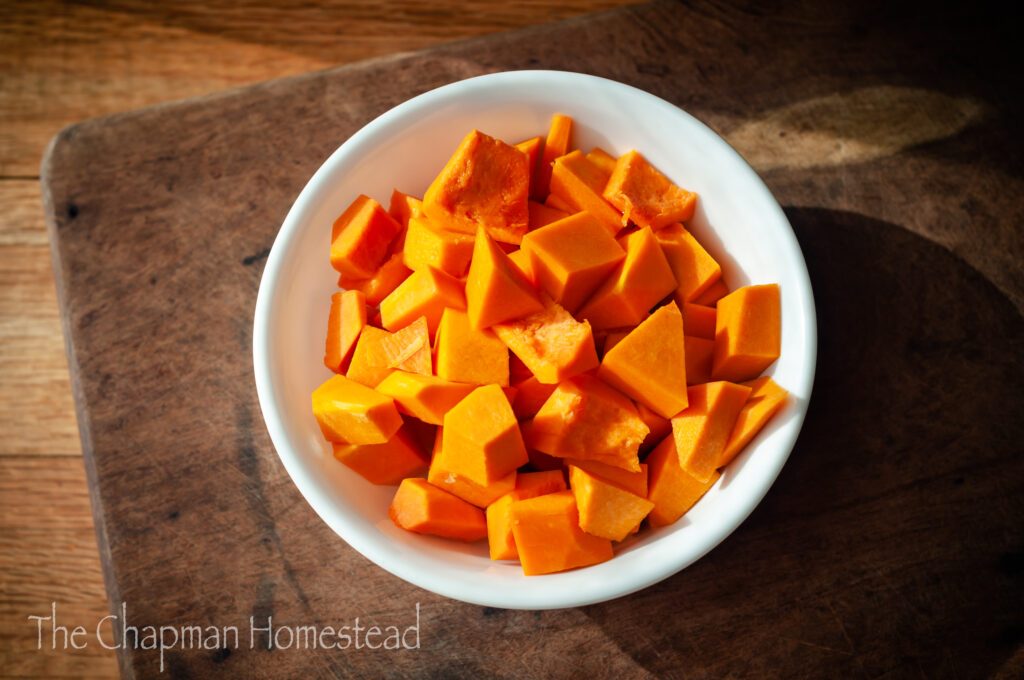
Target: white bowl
<point x="738" y="221"/>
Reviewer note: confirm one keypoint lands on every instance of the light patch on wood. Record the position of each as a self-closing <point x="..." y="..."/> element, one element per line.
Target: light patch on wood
<point x="851" y="127"/>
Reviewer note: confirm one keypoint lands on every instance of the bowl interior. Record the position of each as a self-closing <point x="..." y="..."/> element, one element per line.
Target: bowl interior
<point x="738" y="221"/>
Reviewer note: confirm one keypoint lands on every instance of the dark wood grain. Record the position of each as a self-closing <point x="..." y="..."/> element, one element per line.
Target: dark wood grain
<point x="892" y="544"/>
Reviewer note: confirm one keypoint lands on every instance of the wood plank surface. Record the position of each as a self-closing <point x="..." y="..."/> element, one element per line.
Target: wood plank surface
<point x="64" y="61"/>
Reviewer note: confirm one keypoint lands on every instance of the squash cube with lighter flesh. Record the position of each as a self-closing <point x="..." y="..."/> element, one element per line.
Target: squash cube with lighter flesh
<point x="421" y="507"/>
<point x="765" y="399"/>
<point x="427" y="292"/>
<point x="606" y="510"/>
<point x="425" y="397"/>
<point x="351" y="413"/>
<point x="640" y="282"/>
<point x="361" y="237"/>
<point x="571" y="257"/>
<point x="645" y="196"/>
<point x="747" y="333"/>
<point x="672" y="489"/>
<point x="579" y="183"/>
<point x="486" y="183"/>
<point x="385" y="464"/>
<point x="649" y="364"/>
<point x="482" y="440"/>
<point x="702" y="429"/>
<point x="585" y="418"/>
<point x="695" y="270"/>
<point x="552" y="344"/>
<point x="548" y="536"/>
<point x="468" y="355"/>
<point x="496" y="290"/>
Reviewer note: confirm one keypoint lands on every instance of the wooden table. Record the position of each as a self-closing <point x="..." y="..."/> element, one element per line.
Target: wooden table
<point x="61" y="62"/>
<point x="890" y="546"/>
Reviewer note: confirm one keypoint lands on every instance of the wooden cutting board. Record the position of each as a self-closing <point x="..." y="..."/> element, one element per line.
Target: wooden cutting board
<point x="892" y="545"/>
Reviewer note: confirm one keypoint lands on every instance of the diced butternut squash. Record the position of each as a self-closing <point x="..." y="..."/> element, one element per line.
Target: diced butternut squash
<point x="485" y="184"/>
<point x="421" y="507"/>
<point x="612" y="337"/>
<point x="403" y="206"/>
<point x="585" y="418"/>
<point x="531" y="396"/>
<point x="548" y="535"/>
<point x="371" y="359"/>
<point x="603" y="161"/>
<point x="694" y="269"/>
<point x="344" y="324"/>
<point x="496" y="290"/>
<point x="571" y="257"/>
<point x="556" y="144"/>
<point x="698" y="320"/>
<point x="445" y="250"/>
<point x="699" y="354"/>
<point x="350" y="413"/>
<point x="633" y="481"/>
<point x="765" y="399"/>
<point x="715" y="292"/>
<point x="361" y="237"/>
<point x="701" y="430"/>
<point x="532" y="148"/>
<point x="443" y="476"/>
<point x="532" y="484"/>
<point x="541" y="215"/>
<point x="747" y="333"/>
<point x="671" y="488"/>
<point x="521" y="260"/>
<point x="645" y="196"/>
<point x="552" y="344"/>
<point x="660" y="427"/>
<point x="649" y="364"/>
<point x="579" y="183"/>
<point x="639" y="282"/>
<point x="558" y="203"/>
<point x="425" y="397"/>
<point x="408" y="348"/>
<point x="388" y="277"/>
<point x="426" y="292"/>
<point x="499" y="513"/>
<point x="606" y="510"/>
<point x="388" y="463"/>
<point x="467" y="355"/>
<point x="482" y="440"/>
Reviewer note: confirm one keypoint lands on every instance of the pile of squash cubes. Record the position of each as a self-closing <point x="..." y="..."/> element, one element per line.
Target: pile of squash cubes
<point x="539" y="352"/>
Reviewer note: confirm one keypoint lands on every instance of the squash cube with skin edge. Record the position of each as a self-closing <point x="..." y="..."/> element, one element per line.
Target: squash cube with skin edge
<point x="445" y="475"/>
<point x="701" y="430"/>
<point x="649" y="364"/>
<point x="444" y="250"/>
<point x="747" y="333"/>
<point x="467" y="355"/>
<point x="423" y="508"/>
<point x="426" y="292"/>
<point x="671" y="489"/>
<point x="485" y="183"/>
<point x="606" y="510"/>
<point x="548" y="535"/>
<point x="585" y="418"/>
<point x="765" y="399"/>
<point x="642" y="279"/>
<point x="345" y="322"/>
<point x="645" y="196"/>
<point x="579" y="183"/>
<point x="351" y="413"/>
<point x="425" y="397"/>
<point x="361" y="237"/>
<point x="384" y="464"/>
<point x="552" y="344"/>
<point x="695" y="270"/>
<point x="482" y="440"/>
<point x="571" y="257"/>
<point x="496" y="290"/>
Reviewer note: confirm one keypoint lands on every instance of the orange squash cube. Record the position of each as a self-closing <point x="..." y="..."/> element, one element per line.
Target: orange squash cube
<point x="482" y="441"/>
<point x="531" y="396"/>
<point x="548" y="536"/>
<point x="350" y="413"/>
<point x="496" y="291"/>
<point x="556" y="202"/>
<point x="660" y="427"/>
<point x="408" y="348"/>
<point x="649" y="364"/>
<point x="467" y="355"/>
<point x="344" y="324"/>
<point x="765" y="399"/>
<point x="387" y="277"/>
<point x="698" y="320"/>
<point x="532" y="148"/>
<point x="603" y="161"/>
<point x="552" y="344"/>
<point x="747" y="333"/>
<point x="633" y="481"/>
<point x="542" y="215"/>
<point x="500" y="540"/>
<point x="606" y="510"/>
<point x="403" y="206"/>
<point x="701" y="430"/>
<point x="645" y="196"/>
<point x="672" y="489"/>
<point x="427" y="293"/>
<point x="695" y="270"/>
<point x="421" y="507"/>
<point x="715" y="292"/>
<point x="556" y="144"/>
<point x="628" y="294"/>
<point x="425" y="397"/>
<point x="385" y="464"/>
<point x="360" y="238"/>
<point x="580" y="183"/>
<point x="370" y="359"/>
<point x="486" y="184"/>
<point x="444" y="250"/>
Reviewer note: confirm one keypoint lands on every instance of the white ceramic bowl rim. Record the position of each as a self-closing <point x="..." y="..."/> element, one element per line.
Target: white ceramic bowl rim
<point x="421" y="560"/>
